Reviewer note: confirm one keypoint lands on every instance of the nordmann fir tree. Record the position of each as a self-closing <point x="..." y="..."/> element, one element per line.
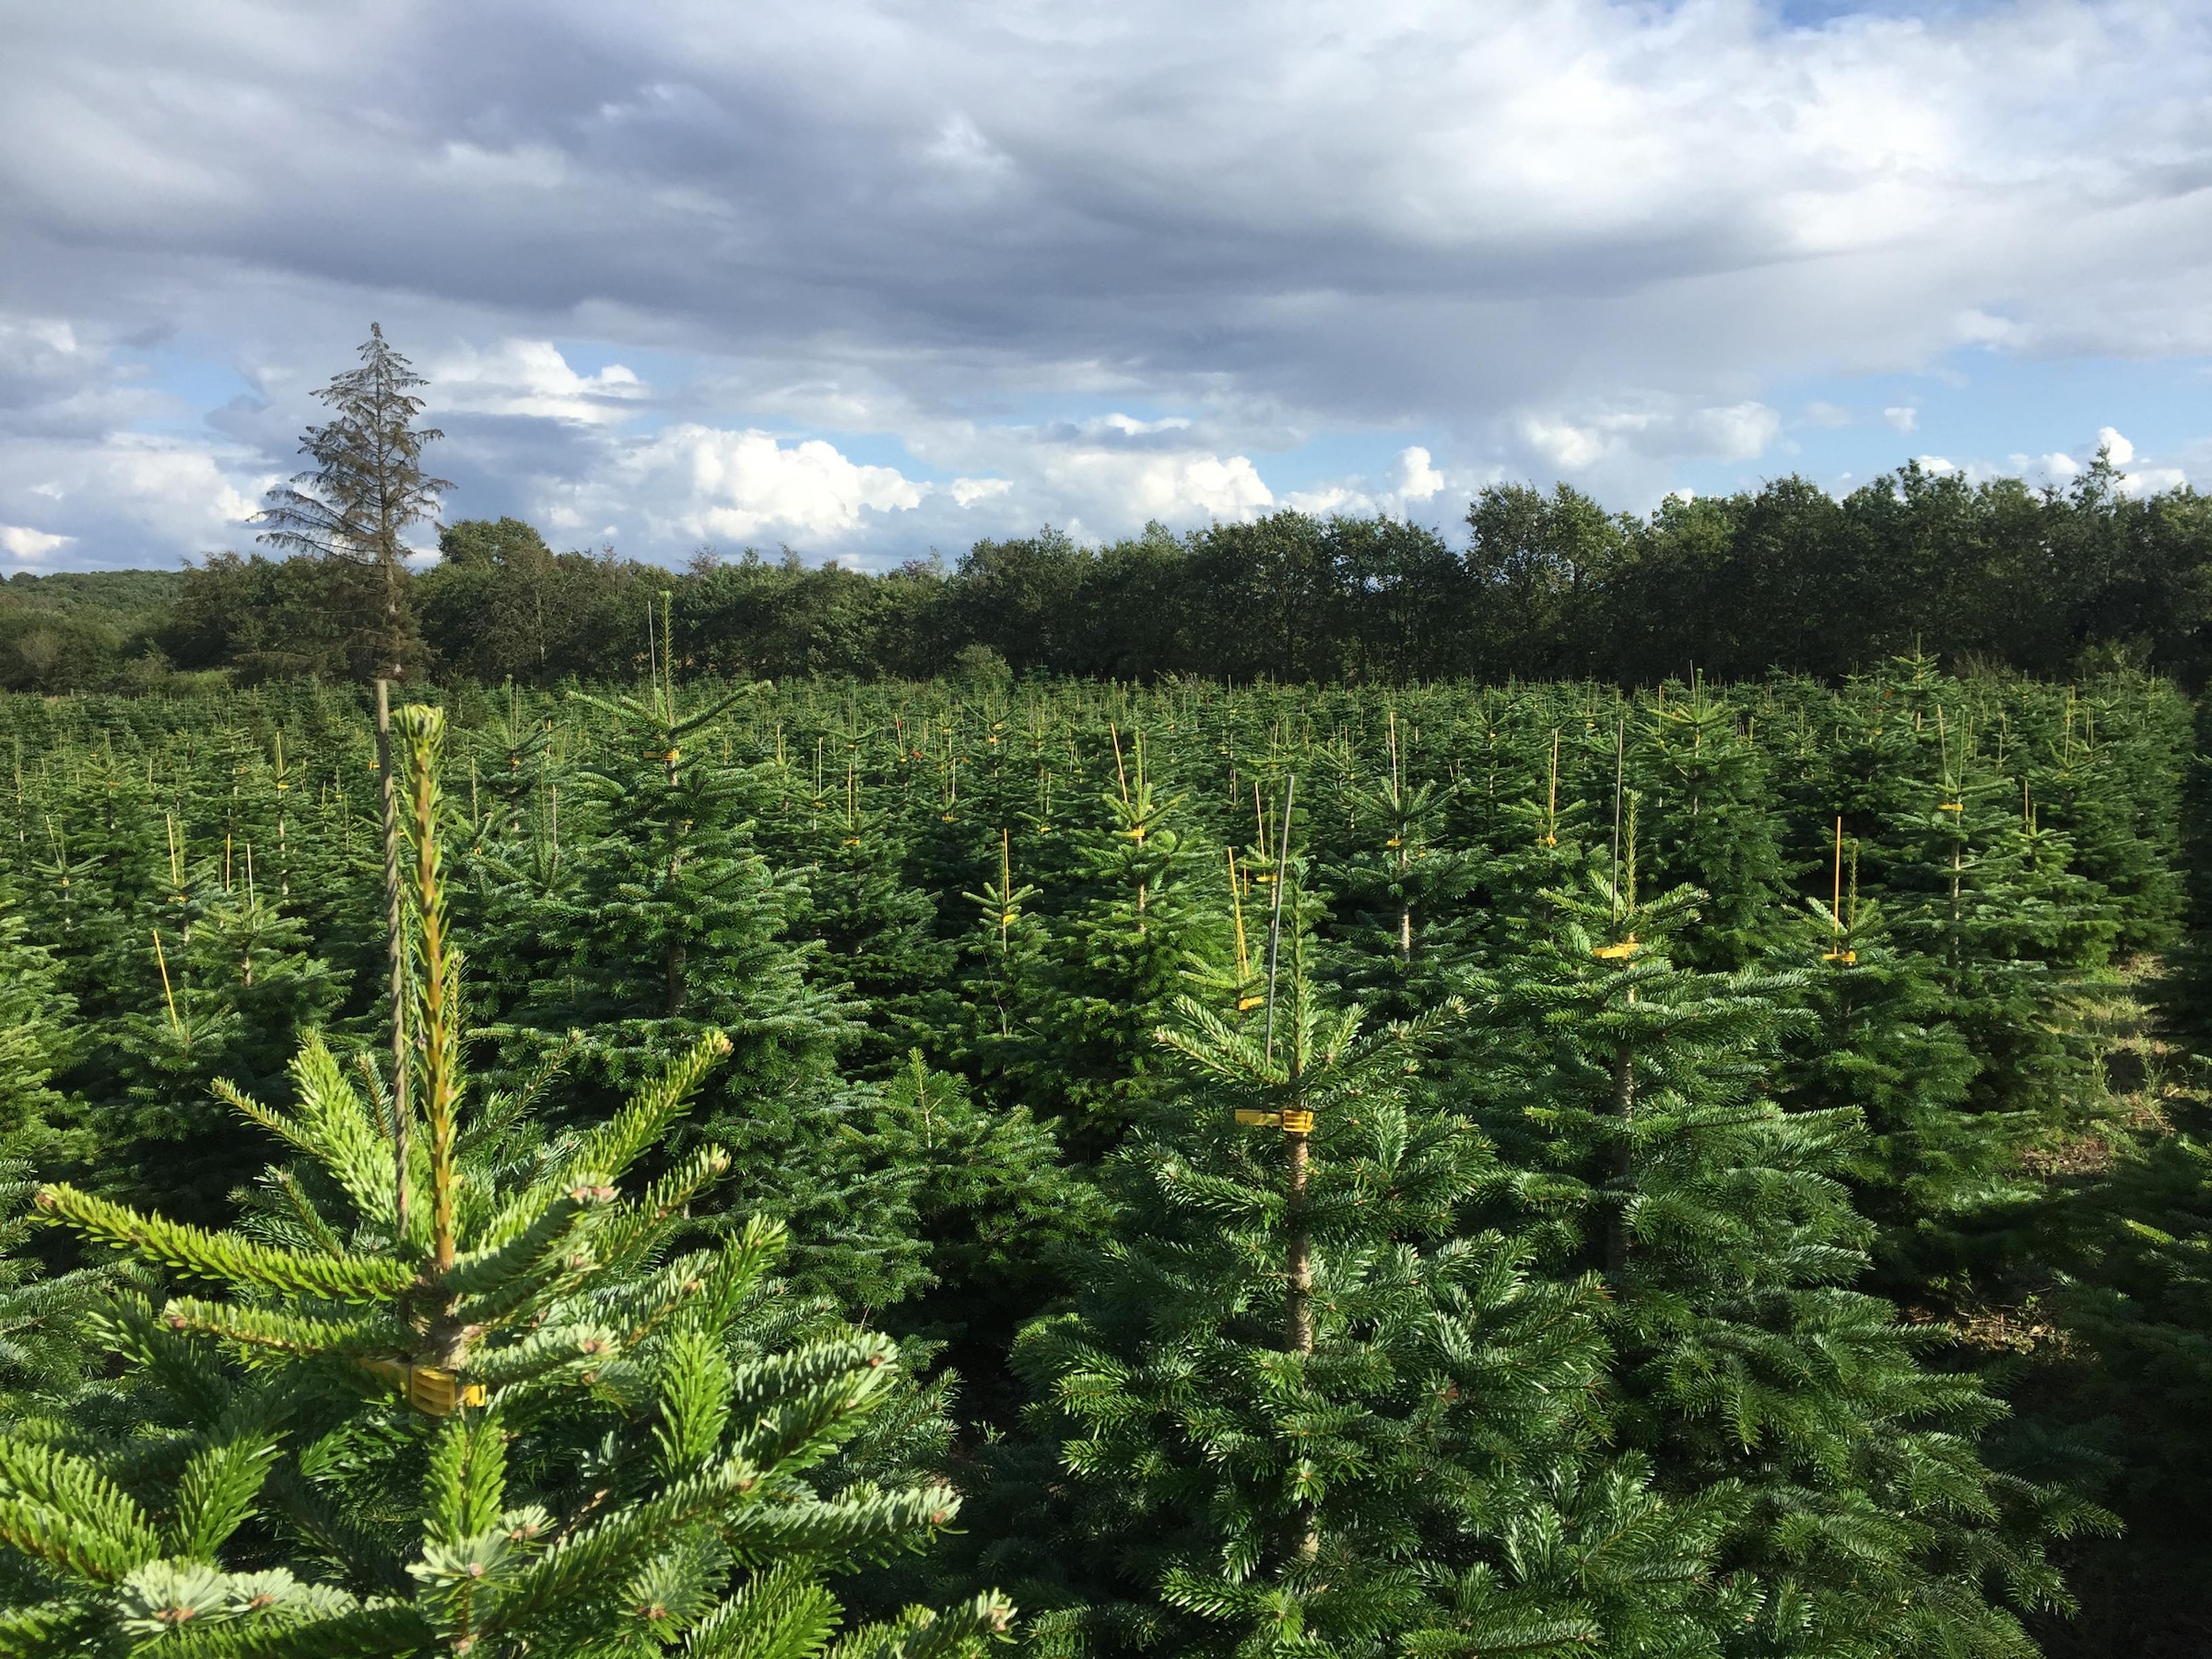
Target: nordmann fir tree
<point x="998" y="1210"/>
<point x="1143" y="917"/>
<point x="1300" y="1409"/>
<point x="461" y="1401"/>
<point x="35" y="1035"/>
<point x="366" y="487"/>
<point x="230" y="988"/>
<point x="1744" y="1363"/>
<point x="877" y="932"/>
<point x="664" y="922"/>
<point x="1878" y="1044"/>
<point x="1396" y="886"/>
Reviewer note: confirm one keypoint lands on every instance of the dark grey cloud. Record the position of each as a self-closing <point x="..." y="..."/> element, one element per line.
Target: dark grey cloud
<point x="1567" y="234"/>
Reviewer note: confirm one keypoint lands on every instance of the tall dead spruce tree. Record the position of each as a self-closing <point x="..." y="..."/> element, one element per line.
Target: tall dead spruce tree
<point x="366" y="487"/>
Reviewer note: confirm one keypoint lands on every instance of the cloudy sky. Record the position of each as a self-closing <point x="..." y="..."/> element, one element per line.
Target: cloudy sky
<point x="870" y="279"/>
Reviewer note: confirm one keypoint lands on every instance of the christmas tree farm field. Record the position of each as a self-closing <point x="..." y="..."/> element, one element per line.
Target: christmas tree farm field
<point x="730" y="1168"/>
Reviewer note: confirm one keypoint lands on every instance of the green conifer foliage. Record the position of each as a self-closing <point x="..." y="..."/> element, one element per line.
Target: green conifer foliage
<point x="1005" y="946"/>
<point x="1396" y="891"/>
<point x="2129" y="1383"/>
<point x="35" y="1034"/>
<point x="458" y="1390"/>
<point x="996" y="1207"/>
<point x="878" y="933"/>
<point x="1879" y="1044"/>
<point x="663" y="922"/>
<point x="1147" y="910"/>
<point x="229" y="987"/>
<point x="1708" y="798"/>
<point x="1728" y="1245"/>
<point x="1299" y="1409"/>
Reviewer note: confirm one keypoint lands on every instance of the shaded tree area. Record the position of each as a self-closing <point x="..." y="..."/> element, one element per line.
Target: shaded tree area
<point x="1995" y="574"/>
<point x="84" y="627"/>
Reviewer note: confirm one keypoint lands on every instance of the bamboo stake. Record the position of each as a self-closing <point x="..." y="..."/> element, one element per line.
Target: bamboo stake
<point x="169" y="996"/>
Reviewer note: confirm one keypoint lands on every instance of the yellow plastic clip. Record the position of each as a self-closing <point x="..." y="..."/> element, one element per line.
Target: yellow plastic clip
<point x="1616" y="953"/>
<point x="1249" y="1119"/>
<point x="1952" y="806"/>
<point x="1845" y="957"/>
<point x="1245" y="1005"/>
<point x="428" y="1389"/>
<point x="1297" y="1122"/>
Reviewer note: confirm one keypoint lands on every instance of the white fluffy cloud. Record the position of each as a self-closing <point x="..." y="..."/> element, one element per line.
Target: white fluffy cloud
<point x="693" y="483"/>
<point x="1413" y="485"/>
<point x="735" y="485"/>
<point x="690" y="484"/>
<point x="529" y="377"/>
<point x="20" y="541"/>
<point x="1650" y="429"/>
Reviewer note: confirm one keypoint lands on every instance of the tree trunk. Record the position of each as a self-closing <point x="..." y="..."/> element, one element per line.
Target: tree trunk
<point x="1624" y="1158"/>
<point x="396" y="954"/>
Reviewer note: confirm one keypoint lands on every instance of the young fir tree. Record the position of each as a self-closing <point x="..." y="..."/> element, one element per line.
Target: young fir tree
<point x="1300" y="1409"/>
<point x="1879" y="1044"/>
<point x="1707" y="787"/>
<point x="2130" y="1381"/>
<point x="2012" y="938"/>
<point x="36" y="1036"/>
<point x="877" y="934"/>
<point x="1005" y="946"/>
<point x="997" y="1210"/>
<point x="666" y="922"/>
<point x="1143" y="918"/>
<point x="1396" y="891"/>
<point x="229" y="987"/>
<point x="460" y="1393"/>
<point x="1636" y="1091"/>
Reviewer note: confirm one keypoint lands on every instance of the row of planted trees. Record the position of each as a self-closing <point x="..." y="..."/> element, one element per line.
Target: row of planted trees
<point x="1453" y="1172"/>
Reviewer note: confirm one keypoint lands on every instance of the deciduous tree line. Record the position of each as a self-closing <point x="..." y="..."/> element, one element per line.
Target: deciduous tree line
<point x="2043" y="581"/>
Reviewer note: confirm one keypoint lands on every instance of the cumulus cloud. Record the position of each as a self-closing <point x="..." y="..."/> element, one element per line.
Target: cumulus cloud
<point x="22" y="542"/>
<point x="1632" y="442"/>
<point x="706" y="484"/>
<point x="1903" y="418"/>
<point x="2116" y="448"/>
<point x="1413" y="485"/>
<point x="529" y="377"/>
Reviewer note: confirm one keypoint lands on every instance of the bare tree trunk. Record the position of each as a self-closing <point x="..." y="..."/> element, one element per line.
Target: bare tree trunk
<point x="397" y="950"/>
<point x="1624" y="1156"/>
